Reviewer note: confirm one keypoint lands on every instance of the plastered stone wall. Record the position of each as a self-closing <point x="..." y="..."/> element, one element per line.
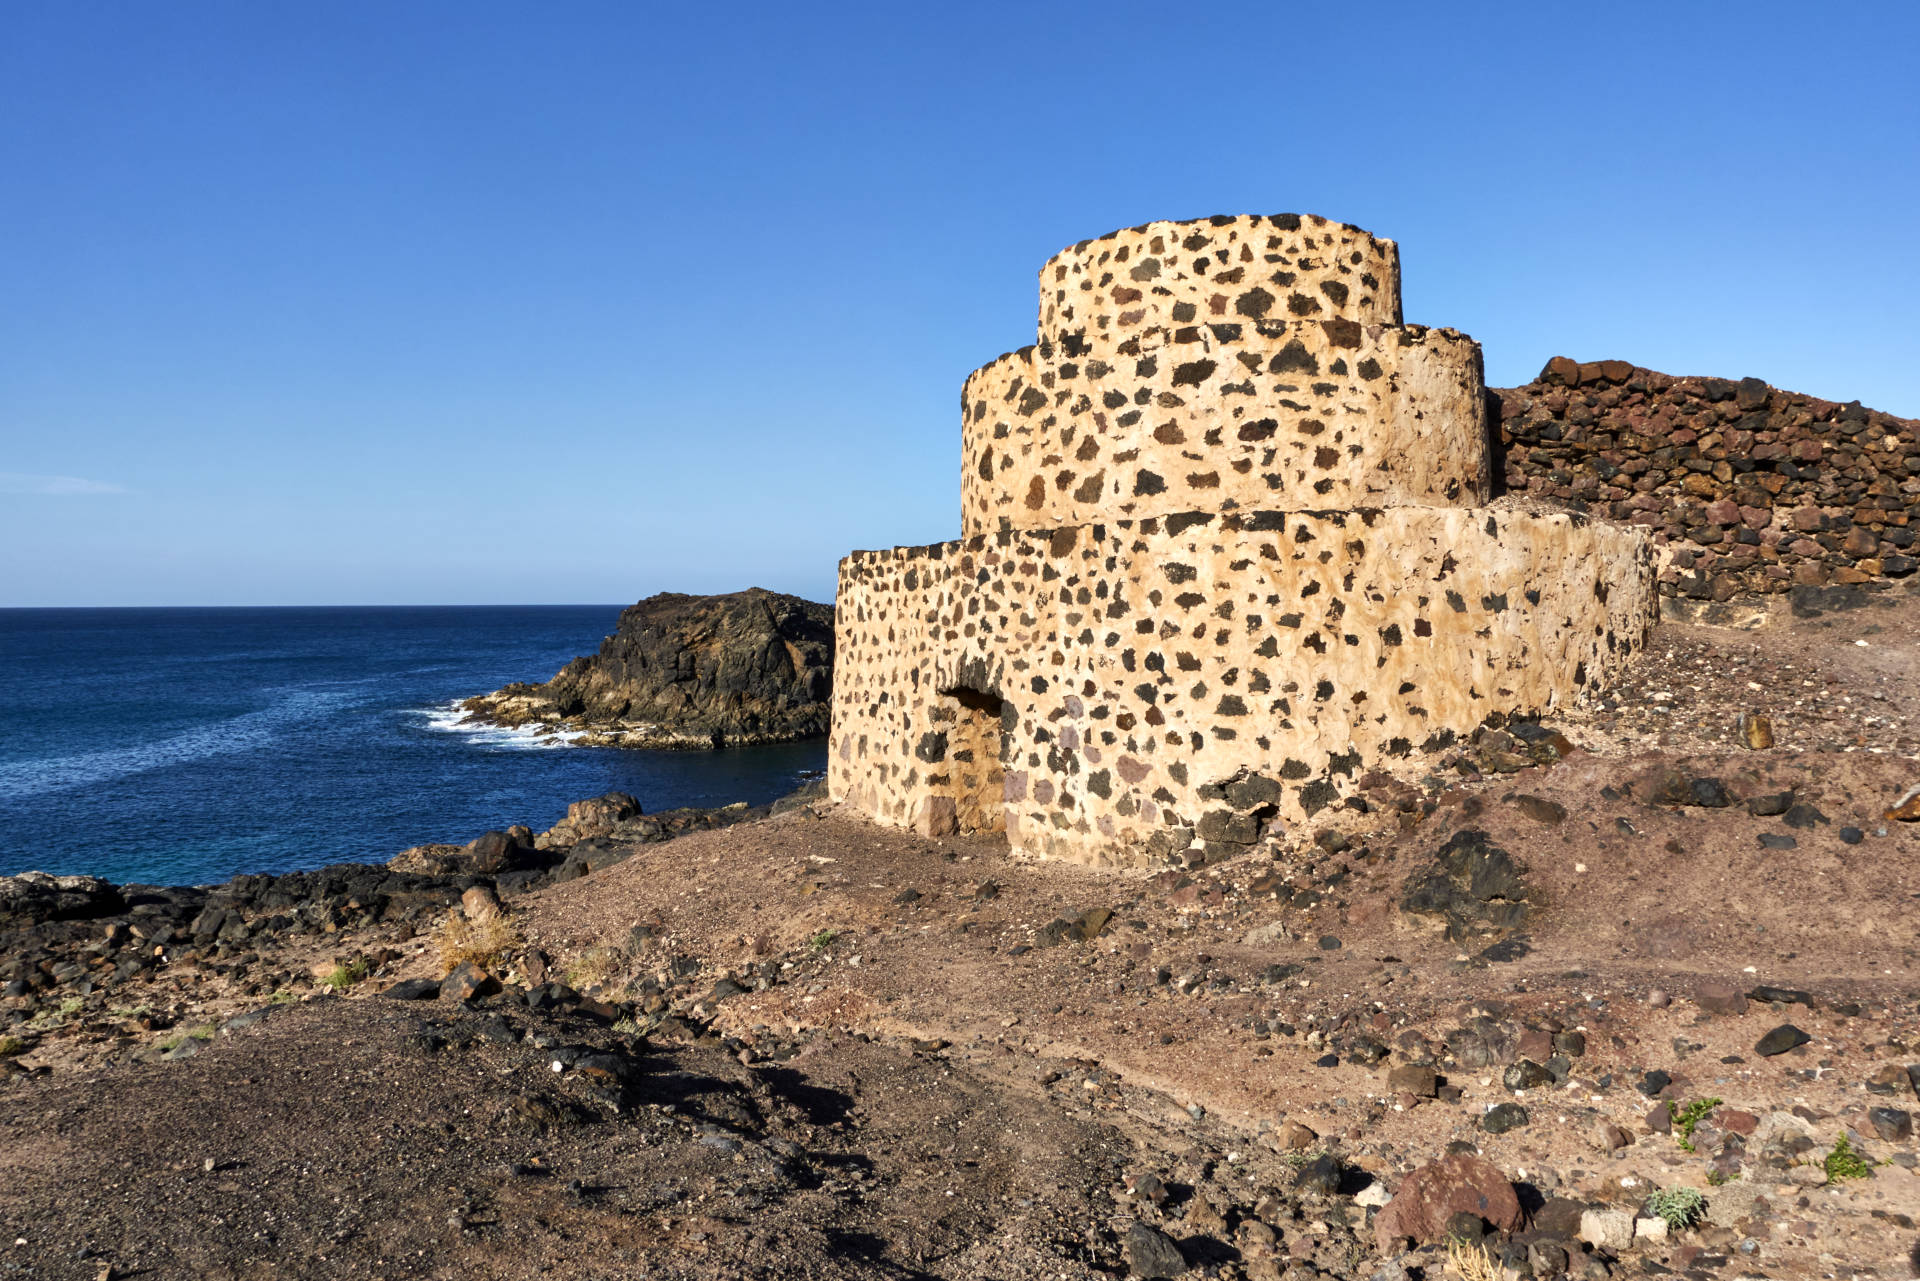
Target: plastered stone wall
<point x="1196" y="676"/>
<point x="1217" y="561"/>
<point x="1097" y="294"/>
<point x="1747" y="489"/>
<point x="1223" y="416"/>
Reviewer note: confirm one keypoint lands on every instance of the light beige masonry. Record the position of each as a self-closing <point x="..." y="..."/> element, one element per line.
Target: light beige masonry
<point x="1315" y="414"/>
<point x="1210" y="577"/>
<point x="1100" y="293"/>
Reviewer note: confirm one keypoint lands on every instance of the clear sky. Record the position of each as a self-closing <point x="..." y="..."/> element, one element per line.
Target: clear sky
<point x="480" y="302"/>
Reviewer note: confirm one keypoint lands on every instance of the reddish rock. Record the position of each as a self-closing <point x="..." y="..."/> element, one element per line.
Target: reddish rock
<point x="1420" y="1082"/>
<point x="1718" y="996"/>
<point x="1540" y="809"/>
<point x="1561" y="370"/>
<point x="468" y="982"/>
<point x="1536" y="1044"/>
<point x="480" y="904"/>
<point x="1736" y="1121"/>
<point x="594" y="817"/>
<point x="1294" y="1136"/>
<point x="1461" y="1183"/>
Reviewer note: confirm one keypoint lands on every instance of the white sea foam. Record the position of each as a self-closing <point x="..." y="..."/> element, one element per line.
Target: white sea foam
<point x="451" y="719"/>
<point x="248" y="732"/>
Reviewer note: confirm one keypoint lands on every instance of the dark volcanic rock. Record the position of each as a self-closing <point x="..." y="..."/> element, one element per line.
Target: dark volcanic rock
<point x="1803" y="816"/>
<point x="596" y="816"/>
<point x="690" y="671"/>
<point x="1895" y="1125"/>
<point x="1152" y="1253"/>
<point x="33" y="897"/>
<point x="1780" y="1040"/>
<point x="1475" y="889"/>
<point x="1708" y="792"/>
<point x="1320" y="1176"/>
<point x="489" y="854"/>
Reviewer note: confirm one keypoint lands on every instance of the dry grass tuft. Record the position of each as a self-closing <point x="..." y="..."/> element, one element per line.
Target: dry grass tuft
<point x="484" y="944"/>
<point x="595" y="966"/>
<point x="1471" y="1262"/>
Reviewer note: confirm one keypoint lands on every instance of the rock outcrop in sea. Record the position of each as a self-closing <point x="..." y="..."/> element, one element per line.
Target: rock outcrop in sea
<point x="686" y="671"/>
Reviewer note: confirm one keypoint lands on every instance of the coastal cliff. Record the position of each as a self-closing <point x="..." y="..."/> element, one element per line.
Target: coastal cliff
<point x="686" y="671"/>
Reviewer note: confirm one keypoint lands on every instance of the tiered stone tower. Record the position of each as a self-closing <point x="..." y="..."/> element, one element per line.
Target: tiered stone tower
<point x="1224" y="547"/>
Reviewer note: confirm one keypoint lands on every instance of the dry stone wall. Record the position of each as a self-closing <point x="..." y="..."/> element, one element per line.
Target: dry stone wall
<point x="1225" y="547"/>
<point x="1745" y="488"/>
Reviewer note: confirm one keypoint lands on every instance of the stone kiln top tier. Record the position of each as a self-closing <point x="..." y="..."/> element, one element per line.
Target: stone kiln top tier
<point x="1247" y="269"/>
<point x="1218" y="365"/>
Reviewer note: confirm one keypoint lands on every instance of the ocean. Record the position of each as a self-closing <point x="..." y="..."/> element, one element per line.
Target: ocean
<point x="186" y="746"/>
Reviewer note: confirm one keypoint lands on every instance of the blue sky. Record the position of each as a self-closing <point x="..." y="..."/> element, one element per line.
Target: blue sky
<point x="475" y="302"/>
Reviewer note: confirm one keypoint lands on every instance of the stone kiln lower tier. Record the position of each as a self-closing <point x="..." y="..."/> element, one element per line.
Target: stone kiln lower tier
<point x="1114" y="692"/>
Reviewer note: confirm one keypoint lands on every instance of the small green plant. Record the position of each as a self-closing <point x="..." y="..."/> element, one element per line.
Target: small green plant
<point x="823" y="940"/>
<point x="49" y="1016"/>
<point x="1680" y="1207"/>
<point x="282" y="997"/>
<point x="1716" y="1177"/>
<point x="202" y="1033"/>
<point x="345" y="976"/>
<point x="1687" y="1118"/>
<point x="1845" y="1163"/>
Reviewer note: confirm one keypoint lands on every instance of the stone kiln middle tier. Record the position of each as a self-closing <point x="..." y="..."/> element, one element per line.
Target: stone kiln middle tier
<point x="1222" y="553"/>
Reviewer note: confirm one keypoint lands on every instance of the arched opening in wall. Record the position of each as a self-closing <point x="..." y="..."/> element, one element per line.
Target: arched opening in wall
<point x="976" y="777"/>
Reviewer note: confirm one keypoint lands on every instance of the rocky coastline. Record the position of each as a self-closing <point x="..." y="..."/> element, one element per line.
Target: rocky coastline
<point x="100" y="973"/>
<point x="687" y="672"/>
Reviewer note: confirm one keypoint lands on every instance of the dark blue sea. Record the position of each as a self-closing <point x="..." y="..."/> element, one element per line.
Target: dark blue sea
<point x="184" y="746"/>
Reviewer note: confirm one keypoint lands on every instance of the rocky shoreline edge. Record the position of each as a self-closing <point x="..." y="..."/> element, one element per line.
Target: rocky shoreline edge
<point x="686" y="672"/>
<point x="523" y="705"/>
<point x="107" y="973"/>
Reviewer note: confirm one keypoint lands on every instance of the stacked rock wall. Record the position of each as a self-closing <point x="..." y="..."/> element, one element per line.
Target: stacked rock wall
<point x="1223" y="550"/>
<point x="1746" y="488"/>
